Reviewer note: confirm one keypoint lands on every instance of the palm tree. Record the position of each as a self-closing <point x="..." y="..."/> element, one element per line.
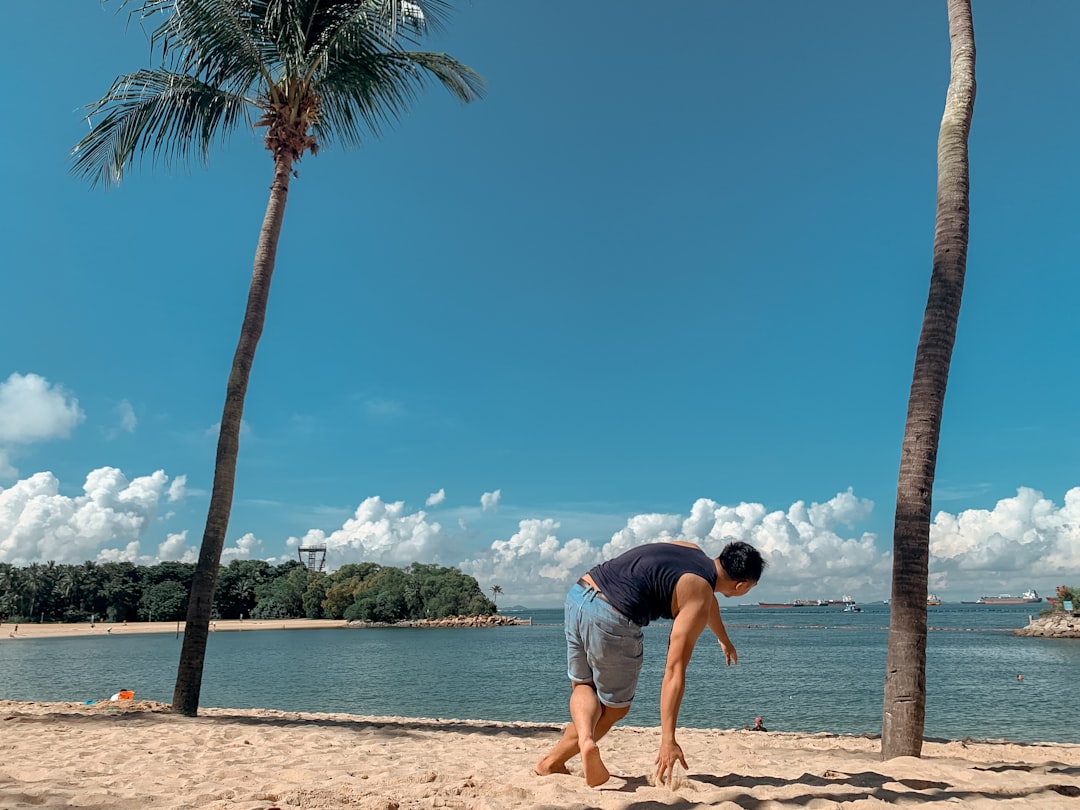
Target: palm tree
<point x="89" y="580"/>
<point x="495" y="591"/>
<point x="905" y="669"/>
<point x="32" y="581"/>
<point x="310" y="72"/>
<point x="10" y="577"/>
<point x="67" y="583"/>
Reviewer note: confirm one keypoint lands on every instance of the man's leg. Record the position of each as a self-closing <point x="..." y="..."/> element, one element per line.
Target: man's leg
<point x="585" y="711"/>
<point x="569" y="746"/>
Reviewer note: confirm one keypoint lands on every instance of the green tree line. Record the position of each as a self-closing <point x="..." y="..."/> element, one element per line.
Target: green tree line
<point x="123" y="591"/>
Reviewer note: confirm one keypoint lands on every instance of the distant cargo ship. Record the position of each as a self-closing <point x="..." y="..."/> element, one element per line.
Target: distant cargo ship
<point x="846" y="600"/>
<point x="795" y="604"/>
<point x="1026" y="598"/>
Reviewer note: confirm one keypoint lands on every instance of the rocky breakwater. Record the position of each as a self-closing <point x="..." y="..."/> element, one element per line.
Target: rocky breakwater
<point x="1054" y="625"/>
<point x="449" y="621"/>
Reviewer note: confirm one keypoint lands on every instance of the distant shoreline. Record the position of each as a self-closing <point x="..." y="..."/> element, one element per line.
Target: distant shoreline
<point x="73" y="630"/>
<point x="60" y="630"/>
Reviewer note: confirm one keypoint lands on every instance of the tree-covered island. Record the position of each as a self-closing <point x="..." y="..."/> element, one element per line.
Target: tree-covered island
<point x="123" y="591"/>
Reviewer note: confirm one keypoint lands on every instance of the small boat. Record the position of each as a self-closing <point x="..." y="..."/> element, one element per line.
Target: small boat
<point x="931" y="599"/>
<point x="852" y="608"/>
<point x="1026" y="598"/>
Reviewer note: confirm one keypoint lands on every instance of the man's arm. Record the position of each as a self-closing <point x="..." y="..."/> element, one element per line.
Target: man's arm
<point x="693" y="596"/>
<point x="716" y="624"/>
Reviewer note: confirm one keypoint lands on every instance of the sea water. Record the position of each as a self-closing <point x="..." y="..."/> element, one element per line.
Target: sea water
<point x="803" y="669"/>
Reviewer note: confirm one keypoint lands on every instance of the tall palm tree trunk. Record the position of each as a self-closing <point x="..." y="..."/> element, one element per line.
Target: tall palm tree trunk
<point x="905" y="668"/>
<point x="201" y="601"/>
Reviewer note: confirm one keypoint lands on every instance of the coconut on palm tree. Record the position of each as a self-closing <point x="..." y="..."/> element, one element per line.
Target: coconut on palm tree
<point x="311" y="73"/>
<point x="905" y="668"/>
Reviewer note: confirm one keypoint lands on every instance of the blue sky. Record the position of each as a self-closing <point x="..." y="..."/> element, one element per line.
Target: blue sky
<point x="665" y="281"/>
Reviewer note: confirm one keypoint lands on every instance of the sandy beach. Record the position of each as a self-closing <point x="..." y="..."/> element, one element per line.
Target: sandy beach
<point x="8" y="630"/>
<point x="131" y="755"/>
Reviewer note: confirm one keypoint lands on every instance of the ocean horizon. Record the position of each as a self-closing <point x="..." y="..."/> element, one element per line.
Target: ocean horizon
<point x="811" y="670"/>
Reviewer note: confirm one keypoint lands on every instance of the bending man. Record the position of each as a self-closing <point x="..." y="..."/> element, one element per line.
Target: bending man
<point x="605" y="612"/>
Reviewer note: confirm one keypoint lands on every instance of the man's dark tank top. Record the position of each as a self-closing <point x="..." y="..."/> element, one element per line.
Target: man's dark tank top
<point x="640" y="583"/>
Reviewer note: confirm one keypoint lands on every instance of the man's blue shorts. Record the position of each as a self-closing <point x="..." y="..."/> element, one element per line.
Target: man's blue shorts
<point x="603" y="647"/>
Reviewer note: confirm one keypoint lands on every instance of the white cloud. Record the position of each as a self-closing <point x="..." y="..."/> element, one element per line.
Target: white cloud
<point x="177" y="489"/>
<point x="435" y="498"/>
<point x="126" y="414"/>
<point x="533" y="564"/>
<point x="246" y="547"/>
<point x="378" y="532"/>
<point x="814" y="550"/>
<point x="649" y="528"/>
<point x="807" y="557"/>
<point x="33" y="410"/>
<point x="1022" y="540"/>
<point x="176" y="547"/>
<point x="37" y="523"/>
<point x="126" y="421"/>
<point x="130" y="553"/>
<point x="490" y="500"/>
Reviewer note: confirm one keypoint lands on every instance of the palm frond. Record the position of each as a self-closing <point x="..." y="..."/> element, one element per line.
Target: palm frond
<point x="367" y="92"/>
<point x="362" y="96"/>
<point x="220" y="42"/>
<point x="172" y="116"/>
<point x="460" y="79"/>
<point x="216" y="40"/>
<point x="287" y="26"/>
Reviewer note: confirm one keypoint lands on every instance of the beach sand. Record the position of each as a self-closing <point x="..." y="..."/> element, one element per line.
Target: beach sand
<point x="8" y="631"/>
<point x="133" y="755"/>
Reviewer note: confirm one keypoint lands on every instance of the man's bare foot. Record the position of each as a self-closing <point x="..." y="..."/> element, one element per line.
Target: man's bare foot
<point x="546" y="767"/>
<point x="596" y="773"/>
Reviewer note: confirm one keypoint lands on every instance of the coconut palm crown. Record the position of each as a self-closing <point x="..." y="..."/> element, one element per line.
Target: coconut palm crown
<point x="311" y="72"/>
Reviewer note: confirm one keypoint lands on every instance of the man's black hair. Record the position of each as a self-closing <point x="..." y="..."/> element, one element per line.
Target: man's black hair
<point x="742" y="562"/>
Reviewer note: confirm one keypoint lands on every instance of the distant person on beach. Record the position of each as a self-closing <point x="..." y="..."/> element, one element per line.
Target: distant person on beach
<point x="758" y="726"/>
<point x="605" y="611"/>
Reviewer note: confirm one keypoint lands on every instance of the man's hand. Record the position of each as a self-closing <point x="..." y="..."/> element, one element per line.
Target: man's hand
<point x="730" y="655"/>
<point x="670" y="753"/>
<point x="716" y="624"/>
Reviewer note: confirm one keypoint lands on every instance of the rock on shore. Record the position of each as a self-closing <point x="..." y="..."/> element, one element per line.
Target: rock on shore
<point x="1056" y="625"/>
<point x="449" y="621"/>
